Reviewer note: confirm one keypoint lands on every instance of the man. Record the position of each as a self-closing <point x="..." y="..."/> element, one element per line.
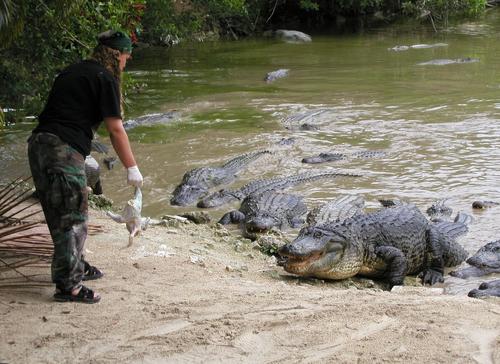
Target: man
<point x="82" y="96"/>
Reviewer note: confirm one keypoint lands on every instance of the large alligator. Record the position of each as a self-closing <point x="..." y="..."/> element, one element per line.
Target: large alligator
<point x="485" y="261"/>
<point x="198" y="181"/>
<point x="330" y="157"/>
<point x="261" y="212"/>
<point x="491" y="288"/>
<point x="262" y="185"/>
<point x="389" y="243"/>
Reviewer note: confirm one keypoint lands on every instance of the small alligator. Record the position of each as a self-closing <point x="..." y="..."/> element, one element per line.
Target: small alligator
<point x="262" y="212"/>
<point x="131" y="216"/>
<point x="198" y="181"/>
<point x="485" y="261"/>
<point x="417" y="46"/>
<point x="272" y="184"/>
<point x="389" y="243"/>
<point x="484" y="204"/>
<point x="151" y="119"/>
<point x="330" y="157"/>
<point x="491" y="288"/>
<point x="274" y="75"/>
<point x="444" y="62"/>
<point x="439" y="210"/>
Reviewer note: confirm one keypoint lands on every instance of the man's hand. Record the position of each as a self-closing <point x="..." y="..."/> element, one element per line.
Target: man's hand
<point x="134" y="176"/>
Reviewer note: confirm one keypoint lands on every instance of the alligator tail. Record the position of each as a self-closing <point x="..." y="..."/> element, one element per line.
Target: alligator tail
<point x="241" y="161"/>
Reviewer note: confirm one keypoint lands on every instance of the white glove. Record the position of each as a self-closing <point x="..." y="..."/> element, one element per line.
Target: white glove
<point x="134" y="177"/>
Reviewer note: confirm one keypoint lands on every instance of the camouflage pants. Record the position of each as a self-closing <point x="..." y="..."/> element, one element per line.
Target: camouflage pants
<point x="59" y="175"/>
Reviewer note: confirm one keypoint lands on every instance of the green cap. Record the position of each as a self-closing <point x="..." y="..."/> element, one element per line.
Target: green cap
<point x="116" y="39"/>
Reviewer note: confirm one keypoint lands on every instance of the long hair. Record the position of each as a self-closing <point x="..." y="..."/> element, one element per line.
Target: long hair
<point x="108" y="58"/>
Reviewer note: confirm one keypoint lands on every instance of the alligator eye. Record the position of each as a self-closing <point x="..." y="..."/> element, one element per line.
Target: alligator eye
<point x="317" y="234"/>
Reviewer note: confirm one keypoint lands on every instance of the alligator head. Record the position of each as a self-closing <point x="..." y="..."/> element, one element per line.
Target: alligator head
<point x="187" y="194"/>
<point x="260" y="224"/>
<point x="485" y="261"/>
<point x="491" y="288"/>
<point x="321" y="253"/>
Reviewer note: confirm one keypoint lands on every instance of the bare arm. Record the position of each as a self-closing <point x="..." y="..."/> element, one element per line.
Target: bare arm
<point x="119" y="139"/>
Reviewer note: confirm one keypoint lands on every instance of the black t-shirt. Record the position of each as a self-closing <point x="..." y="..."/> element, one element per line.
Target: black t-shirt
<point x="81" y="97"/>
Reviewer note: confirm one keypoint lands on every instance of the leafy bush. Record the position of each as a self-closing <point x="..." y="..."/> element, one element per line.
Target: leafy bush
<point x="42" y="38"/>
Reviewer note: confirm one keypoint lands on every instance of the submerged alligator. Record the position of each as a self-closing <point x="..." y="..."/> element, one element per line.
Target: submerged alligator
<point x="272" y="184"/>
<point x="484" y="204"/>
<point x="417" y="46"/>
<point x="491" y="288"/>
<point x="198" y="181"/>
<point x="444" y="62"/>
<point x="330" y="157"/>
<point x="389" y="243"/>
<point x="151" y="119"/>
<point x="289" y="36"/>
<point x="485" y="261"/>
<point x="274" y="75"/>
<point x="262" y="212"/>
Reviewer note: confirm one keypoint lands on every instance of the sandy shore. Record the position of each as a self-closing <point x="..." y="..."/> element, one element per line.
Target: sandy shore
<point x="193" y="294"/>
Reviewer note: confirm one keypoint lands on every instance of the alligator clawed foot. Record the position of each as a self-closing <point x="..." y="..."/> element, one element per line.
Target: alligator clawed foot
<point x="431" y="277"/>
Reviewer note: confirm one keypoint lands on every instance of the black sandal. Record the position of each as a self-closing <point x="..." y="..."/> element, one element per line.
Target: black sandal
<point x="85" y="295"/>
<point x="90" y="272"/>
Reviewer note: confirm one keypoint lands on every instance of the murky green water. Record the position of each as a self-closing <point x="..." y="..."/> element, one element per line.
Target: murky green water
<point x="438" y="124"/>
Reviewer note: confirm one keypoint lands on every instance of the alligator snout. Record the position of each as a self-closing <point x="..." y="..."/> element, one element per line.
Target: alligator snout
<point x="298" y="250"/>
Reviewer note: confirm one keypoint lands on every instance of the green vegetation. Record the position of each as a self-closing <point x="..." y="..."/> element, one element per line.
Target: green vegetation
<point x="39" y="37"/>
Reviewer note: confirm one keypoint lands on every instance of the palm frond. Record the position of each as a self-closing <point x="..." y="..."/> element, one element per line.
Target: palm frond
<point x="25" y="241"/>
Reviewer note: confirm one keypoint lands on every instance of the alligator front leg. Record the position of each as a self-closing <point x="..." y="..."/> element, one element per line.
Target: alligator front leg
<point x="433" y="273"/>
<point x="396" y="263"/>
<point x="232" y="217"/>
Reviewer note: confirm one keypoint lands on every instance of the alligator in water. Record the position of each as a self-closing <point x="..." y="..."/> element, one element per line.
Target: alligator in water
<point x="485" y="261"/>
<point x="198" y="181"/>
<point x="486" y="289"/>
<point x="484" y="204"/>
<point x="274" y="75"/>
<point x="289" y="36"/>
<point x="261" y="212"/>
<point x="417" y="46"/>
<point x="444" y="62"/>
<point x="330" y="157"/>
<point x="439" y="210"/>
<point x="272" y="184"/>
<point x="389" y="243"/>
<point x="152" y="119"/>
